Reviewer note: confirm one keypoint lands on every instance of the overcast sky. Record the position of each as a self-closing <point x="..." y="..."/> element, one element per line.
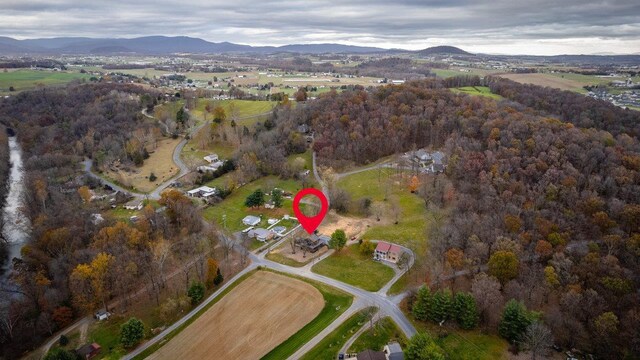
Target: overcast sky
<point x="498" y="26"/>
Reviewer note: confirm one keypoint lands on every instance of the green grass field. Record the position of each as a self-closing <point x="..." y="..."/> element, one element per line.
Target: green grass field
<point x="445" y="73"/>
<point x="399" y="285"/>
<point x="25" y="79"/>
<point x="413" y="219"/>
<point x="328" y="348"/>
<point x="465" y="345"/>
<point x="243" y="108"/>
<point x="246" y="109"/>
<point x="234" y="209"/>
<point x="384" y="332"/>
<point x="352" y="267"/>
<point x="336" y="302"/>
<point x="477" y="91"/>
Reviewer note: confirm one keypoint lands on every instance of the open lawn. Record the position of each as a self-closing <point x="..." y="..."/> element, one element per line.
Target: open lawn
<point x="384" y="332"/>
<point x="237" y="326"/>
<point x="160" y="163"/>
<point x="238" y="108"/>
<point x="328" y="348"/>
<point x="463" y="344"/>
<point x="246" y="110"/>
<point x="413" y="216"/>
<point x="234" y="209"/>
<point x="335" y="303"/>
<point x="352" y="267"/>
<point x="477" y="91"/>
<point x="26" y="79"/>
<point x="445" y="73"/>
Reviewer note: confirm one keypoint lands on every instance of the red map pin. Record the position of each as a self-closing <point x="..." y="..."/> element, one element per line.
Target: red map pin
<point x="310" y="224"/>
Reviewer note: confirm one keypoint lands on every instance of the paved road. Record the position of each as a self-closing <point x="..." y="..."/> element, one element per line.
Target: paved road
<point x="323" y="185"/>
<point x="362" y="169"/>
<point x="388" y="305"/>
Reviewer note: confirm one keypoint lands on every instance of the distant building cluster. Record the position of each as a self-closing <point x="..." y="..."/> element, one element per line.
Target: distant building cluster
<point x="625" y="99"/>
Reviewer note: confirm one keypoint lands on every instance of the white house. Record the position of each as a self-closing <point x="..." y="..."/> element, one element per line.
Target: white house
<point x="214" y="166"/>
<point x="261" y="234"/>
<point x="135" y="204"/>
<point x="387" y="251"/>
<point x="251" y="220"/>
<point x="202" y="192"/>
<point x="211" y="158"/>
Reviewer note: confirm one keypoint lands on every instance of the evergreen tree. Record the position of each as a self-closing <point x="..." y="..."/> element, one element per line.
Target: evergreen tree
<point x="182" y="116"/>
<point x="466" y="312"/>
<point x="255" y="199"/>
<point x="515" y="320"/>
<point x="131" y="333"/>
<point x="196" y="292"/>
<point x="442" y="306"/>
<point x="422" y="347"/>
<point x="276" y="197"/>
<point x="218" y="279"/>
<point x="422" y="304"/>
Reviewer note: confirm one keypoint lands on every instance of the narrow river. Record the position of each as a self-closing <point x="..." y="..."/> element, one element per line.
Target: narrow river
<point x="16" y="225"/>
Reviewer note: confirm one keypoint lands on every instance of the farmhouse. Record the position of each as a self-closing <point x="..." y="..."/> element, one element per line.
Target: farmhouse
<point x="135" y="204"/>
<point x="312" y="243"/>
<point x="202" y="192"/>
<point x="88" y="351"/>
<point x="211" y="158"/>
<point x="387" y="252"/>
<point x="251" y="220"/>
<point x="262" y="234"/>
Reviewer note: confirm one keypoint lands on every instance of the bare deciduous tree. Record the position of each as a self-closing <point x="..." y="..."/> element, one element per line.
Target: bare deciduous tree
<point x="537" y="339"/>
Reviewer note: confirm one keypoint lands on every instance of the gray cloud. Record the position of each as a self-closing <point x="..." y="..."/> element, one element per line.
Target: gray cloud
<point x="504" y="26"/>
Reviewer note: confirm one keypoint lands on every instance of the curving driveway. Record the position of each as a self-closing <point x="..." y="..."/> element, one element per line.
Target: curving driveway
<point x="184" y="169"/>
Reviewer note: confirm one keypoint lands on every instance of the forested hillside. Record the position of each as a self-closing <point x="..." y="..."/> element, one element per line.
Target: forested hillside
<point x="550" y="203"/>
<point x="74" y="264"/>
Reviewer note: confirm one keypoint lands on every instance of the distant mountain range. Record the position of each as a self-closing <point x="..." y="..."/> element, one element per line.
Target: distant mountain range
<point x="165" y="45"/>
<point x="160" y="45"/>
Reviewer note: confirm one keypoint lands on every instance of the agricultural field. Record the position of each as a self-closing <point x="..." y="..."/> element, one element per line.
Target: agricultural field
<point x="235" y="327"/>
<point x="384" y="332"/>
<point x="335" y="303"/>
<point x="349" y="265"/>
<point x="25" y="79"/>
<point x="234" y="209"/>
<point x="477" y="91"/>
<point x="563" y="81"/>
<point x="160" y="163"/>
